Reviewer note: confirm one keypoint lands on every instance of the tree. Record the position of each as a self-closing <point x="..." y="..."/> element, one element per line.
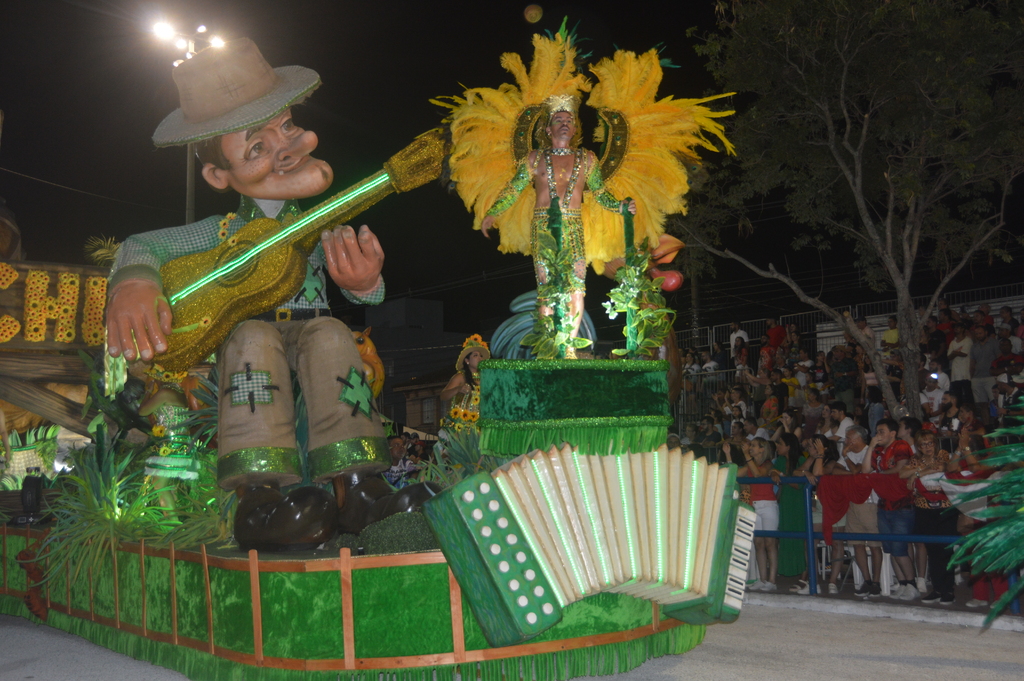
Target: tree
<point x="895" y="127"/>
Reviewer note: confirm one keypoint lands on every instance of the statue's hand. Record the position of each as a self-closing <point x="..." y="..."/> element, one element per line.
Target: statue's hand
<point x="354" y="262"/>
<point x="487" y="223"/>
<point x="137" y="307"/>
<point x="631" y="206"/>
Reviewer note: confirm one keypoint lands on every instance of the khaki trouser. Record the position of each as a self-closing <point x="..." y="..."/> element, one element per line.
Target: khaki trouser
<point x="256" y="438"/>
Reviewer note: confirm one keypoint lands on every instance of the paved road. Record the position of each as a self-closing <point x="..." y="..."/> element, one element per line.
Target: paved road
<point x="766" y="644"/>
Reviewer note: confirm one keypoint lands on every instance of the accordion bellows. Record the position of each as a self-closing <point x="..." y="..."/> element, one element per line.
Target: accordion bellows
<point x="550" y="528"/>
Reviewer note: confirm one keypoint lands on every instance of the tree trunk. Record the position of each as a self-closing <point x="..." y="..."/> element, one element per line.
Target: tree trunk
<point x="910" y="325"/>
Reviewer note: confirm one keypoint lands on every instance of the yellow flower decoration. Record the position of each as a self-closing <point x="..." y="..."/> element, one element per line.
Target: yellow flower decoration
<point x="92" y="317"/>
<point x="476" y="339"/>
<point x="454" y="413"/>
<point x="159" y="431"/>
<point x="8" y="275"/>
<point x="473" y="416"/>
<point x="476" y="399"/>
<point x="165" y="451"/>
<point x="156" y="371"/>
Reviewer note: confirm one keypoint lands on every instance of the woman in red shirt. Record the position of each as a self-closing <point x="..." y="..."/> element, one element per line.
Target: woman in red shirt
<point x="758" y="455"/>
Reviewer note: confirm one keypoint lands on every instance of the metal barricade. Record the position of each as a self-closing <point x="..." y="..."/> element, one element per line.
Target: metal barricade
<point x="811" y="537"/>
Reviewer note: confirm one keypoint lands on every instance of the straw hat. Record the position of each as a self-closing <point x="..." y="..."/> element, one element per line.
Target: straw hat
<point x="230" y="88"/>
<point x="473" y="343"/>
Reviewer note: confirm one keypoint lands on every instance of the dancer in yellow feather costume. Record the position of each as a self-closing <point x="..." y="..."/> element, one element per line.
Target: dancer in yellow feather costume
<point x="499" y="146"/>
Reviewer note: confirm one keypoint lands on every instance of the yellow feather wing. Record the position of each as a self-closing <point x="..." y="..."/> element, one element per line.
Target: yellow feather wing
<point x="661" y="135"/>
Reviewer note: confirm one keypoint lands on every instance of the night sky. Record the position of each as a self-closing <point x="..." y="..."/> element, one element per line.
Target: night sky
<point x="84" y="83"/>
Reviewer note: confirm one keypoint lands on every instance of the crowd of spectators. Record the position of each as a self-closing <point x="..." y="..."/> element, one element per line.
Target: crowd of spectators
<point x="779" y="408"/>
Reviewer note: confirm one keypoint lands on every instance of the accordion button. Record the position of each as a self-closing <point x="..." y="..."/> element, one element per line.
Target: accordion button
<point x="548" y="608"/>
<point x="478" y="514"/>
<point x="514" y="584"/>
<point x="503" y="566"/>
<point x="511" y="539"/>
<point x="521" y="557"/>
<point x="531" y="617"/>
<point x="495" y="549"/>
<point x="484" y="488"/>
<point x="538" y="591"/>
<point x="485" y="531"/>
<point x="529" y="574"/>
<point x="493" y="505"/>
<point x="503" y="523"/>
<point x="468" y="496"/>
<point x="522" y="601"/>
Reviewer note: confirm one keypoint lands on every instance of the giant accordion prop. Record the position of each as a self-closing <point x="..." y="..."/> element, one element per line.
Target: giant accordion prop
<point x="550" y="528"/>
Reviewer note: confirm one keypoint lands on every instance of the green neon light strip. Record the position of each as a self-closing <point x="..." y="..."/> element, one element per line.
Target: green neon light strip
<point x="594" y="519"/>
<point x="625" y="513"/>
<point x="691" y="527"/>
<point x="284" y="234"/>
<point x="570" y="551"/>
<point x="658" y="519"/>
<point x="534" y="545"/>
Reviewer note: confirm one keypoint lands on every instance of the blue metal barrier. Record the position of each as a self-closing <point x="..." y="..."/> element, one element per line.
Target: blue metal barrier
<point x="810" y="536"/>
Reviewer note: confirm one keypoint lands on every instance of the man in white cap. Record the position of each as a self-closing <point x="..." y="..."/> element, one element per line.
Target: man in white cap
<point x="237" y="109"/>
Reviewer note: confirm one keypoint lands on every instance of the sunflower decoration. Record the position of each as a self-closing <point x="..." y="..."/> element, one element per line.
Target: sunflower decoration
<point x="471" y="344"/>
<point x="224" y="224"/>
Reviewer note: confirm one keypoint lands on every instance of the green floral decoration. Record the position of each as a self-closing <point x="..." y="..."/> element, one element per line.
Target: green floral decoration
<point x="552" y="334"/>
<point x="648" y="321"/>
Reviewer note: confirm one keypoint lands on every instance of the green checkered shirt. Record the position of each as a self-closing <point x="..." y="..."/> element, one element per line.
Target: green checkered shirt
<point x="142" y="255"/>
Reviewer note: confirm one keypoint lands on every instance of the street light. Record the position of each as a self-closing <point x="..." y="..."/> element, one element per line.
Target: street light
<point x="166" y="32"/>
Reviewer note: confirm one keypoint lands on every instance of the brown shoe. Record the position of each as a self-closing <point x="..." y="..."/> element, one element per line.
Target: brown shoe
<point x="267" y="520"/>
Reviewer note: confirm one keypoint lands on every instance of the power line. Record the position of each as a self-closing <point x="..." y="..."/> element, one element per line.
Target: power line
<point x="82" y="191"/>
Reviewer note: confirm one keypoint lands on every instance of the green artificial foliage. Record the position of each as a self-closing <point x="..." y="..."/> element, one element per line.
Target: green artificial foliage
<point x="100" y="506"/>
<point x="552" y="333"/>
<point x="998" y="547"/>
<point x="648" y="320"/>
<point x="458" y="456"/>
<point x="202" y="423"/>
<point x="10" y="483"/>
<point x="399" y="533"/>
<point x="204" y="511"/>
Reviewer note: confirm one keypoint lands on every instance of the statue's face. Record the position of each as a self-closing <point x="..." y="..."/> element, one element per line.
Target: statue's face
<point x="562" y="127"/>
<point x="272" y="163"/>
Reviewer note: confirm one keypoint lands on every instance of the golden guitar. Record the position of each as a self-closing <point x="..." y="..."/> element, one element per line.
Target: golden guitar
<point x="263" y="264"/>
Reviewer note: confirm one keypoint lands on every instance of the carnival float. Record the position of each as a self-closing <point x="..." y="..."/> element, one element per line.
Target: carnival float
<point x="228" y="520"/>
